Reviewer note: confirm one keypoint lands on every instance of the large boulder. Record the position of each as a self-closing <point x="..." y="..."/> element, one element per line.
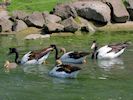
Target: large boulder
<point x="19" y="15"/>
<point x="36" y="36"/>
<point x="19" y="25"/>
<point x="52" y="18"/>
<point x="119" y="11"/>
<point x="36" y="19"/>
<point x="70" y="25"/>
<point x="64" y="11"/>
<point x="6" y="25"/>
<point x="4" y="14"/>
<point x="130" y="8"/>
<point x="85" y="25"/>
<point x="93" y="10"/>
<point x="53" y="27"/>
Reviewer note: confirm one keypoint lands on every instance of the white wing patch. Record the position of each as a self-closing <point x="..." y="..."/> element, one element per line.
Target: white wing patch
<point x="25" y="58"/>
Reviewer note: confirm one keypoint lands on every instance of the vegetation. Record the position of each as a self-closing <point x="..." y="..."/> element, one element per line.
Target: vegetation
<point x="34" y="5"/>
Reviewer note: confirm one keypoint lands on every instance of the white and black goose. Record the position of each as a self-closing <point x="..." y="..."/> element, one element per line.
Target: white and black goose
<point x="76" y="57"/>
<point x="64" y="71"/>
<point x="108" y="51"/>
<point x="32" y="57"/>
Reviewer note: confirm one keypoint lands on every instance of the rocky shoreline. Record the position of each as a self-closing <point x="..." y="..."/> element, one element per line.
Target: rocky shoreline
<point x="79" y="16"/>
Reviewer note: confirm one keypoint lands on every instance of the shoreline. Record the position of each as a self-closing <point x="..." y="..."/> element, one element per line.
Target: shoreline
<point x="128" y="26"/>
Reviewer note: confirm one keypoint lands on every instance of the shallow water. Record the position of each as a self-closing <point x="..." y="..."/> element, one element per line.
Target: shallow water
<point x="98" y="80"/>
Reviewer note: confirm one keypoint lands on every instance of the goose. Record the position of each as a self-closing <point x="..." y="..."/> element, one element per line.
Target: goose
<point x="76" y="57"/>
<point x="64" y="71"/>
<point x="8" y="65"/>
<point x="108" y="51"/>
<point x="32" y="57"/>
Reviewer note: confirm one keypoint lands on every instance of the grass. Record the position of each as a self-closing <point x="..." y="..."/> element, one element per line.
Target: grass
<point x="34" y="5"/>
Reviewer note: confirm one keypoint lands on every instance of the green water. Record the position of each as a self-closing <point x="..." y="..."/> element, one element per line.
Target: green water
<point x="98" y="80"/>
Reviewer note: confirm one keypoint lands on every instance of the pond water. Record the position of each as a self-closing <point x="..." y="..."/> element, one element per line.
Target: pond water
<point x="98" y="80"/>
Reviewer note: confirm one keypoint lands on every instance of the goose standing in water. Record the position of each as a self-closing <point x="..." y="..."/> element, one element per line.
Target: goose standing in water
<point x="72" y="56"/>
<point x="108" y="51"/>
<point x="64" y="70"/>
<point x="32" y="57"/>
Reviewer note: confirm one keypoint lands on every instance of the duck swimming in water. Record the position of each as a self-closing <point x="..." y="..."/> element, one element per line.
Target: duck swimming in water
<point x="32" y="57"/>
<point x="64" y="70"/>
<point x="75" y="57"/>
<point x="9" y="65"/>
<point x="108" y="51"/>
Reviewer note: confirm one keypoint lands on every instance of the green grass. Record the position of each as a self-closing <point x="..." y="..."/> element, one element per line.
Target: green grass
<point x="34" y="5"/>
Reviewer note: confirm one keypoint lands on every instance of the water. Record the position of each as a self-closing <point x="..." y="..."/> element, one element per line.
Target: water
<point x="98" y="80"/>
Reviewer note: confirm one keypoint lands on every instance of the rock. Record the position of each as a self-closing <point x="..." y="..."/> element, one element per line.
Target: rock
<point x="119" y="11"/>
<point x="86" y="26"/>
<point x="62" y="34"/>
<point x="65" y="11"/>
<point x="4" y="14"/>
<point x="6" y="25"/>
<point x="36" y="19"/>
<point x="93" y="10"/>
<point x="130" y="8"/>
<point x="36" y="36"/>
<point x="52" y="18"/>
<point x="70" y="25"/>
<point x="19" y="15"/>
<point x="19" y="25"/>
<point x="53" y="27"/>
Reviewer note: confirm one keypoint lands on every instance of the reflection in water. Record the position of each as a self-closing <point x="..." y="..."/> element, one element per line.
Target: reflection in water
<point x="64" y="81"/>
<point x="36" y="69"/>
<point x="108" y="64"/>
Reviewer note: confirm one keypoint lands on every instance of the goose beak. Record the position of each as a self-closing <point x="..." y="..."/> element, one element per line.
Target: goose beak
<point x="51" y="49"/>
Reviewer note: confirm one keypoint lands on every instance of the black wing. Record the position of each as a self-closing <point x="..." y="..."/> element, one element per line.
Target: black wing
<point x="68" y="68"/>
<point x="77" y="55"/>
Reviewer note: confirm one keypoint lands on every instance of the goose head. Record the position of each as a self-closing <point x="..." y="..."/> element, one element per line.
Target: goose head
<point x="63" y="50"/>
<point x="58" y="62"/>
<point x="94" y="45"/>
<point x="95" y="48"/>
<point x="12" y="50"/>
<point x="53" y="46"/>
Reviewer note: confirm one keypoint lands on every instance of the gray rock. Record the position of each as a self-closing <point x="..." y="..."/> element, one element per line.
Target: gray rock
<point x="130" y="8"/>
<point x="65" y="11"/>
<point x="53" y="27"/>
<point x="36" y="36"/>
<point x="19" y="25"/>
<point x="70" y="25"/>
<point x="86" y="26"/>
<point x="52" y="18"/>
<point x="19" y="15"/>
<point x="6" y="25"/>
<point x="36" y="19"/>
<point x="119" y="11"/>
<point x="4" y="14"/>
<point x="93" y="10"/>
